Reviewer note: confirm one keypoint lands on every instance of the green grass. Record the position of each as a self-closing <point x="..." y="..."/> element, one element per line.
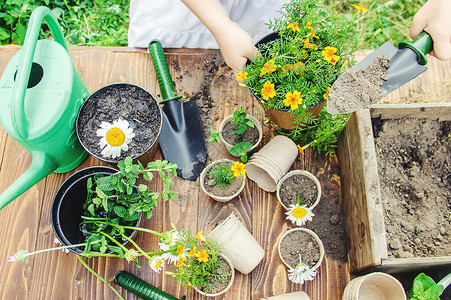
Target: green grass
<point x="105" y="22"/>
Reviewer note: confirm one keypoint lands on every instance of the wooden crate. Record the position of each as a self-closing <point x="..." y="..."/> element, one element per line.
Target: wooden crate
<point x="362" y="202"/>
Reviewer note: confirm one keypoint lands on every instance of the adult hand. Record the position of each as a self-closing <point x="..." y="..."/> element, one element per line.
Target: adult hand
<point x="435" y="18"/>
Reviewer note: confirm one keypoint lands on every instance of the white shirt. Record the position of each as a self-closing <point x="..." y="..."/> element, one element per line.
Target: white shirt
<point x="175" y="26"/>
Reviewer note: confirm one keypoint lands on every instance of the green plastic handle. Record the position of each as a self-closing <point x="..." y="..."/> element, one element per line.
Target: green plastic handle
<point x="161" y="68"/>
<point x="422" y="45"/>
<point x="41" y="13"/>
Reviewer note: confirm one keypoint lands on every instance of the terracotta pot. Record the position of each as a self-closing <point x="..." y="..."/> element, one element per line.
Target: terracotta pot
<point x="238" y="244"/>
<point x="303" y="173"/>
<point x="376" y="285"/>
<point x="228" y="146"/>
<point x="290" y="296"/>
<point x="228" y="286"/>
<point x="314" y="235"/>
<point x="271" y="162"/>
<point x="204" y="173"/>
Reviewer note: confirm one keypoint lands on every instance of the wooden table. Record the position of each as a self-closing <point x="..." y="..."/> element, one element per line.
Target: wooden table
<point x="199" y="75"/>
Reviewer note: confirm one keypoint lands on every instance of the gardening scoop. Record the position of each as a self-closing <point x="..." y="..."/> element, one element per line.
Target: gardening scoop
<point x="181" y="139"/>
<point x="40" y="94"/>
<point x="362" y="85"/>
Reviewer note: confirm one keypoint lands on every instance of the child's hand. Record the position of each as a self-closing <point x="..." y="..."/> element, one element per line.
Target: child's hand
<point x="435" y="18"/>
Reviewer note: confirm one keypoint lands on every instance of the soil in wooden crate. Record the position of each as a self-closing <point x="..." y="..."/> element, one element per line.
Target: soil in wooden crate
<point x="219" y="286"/>
<point x="300" y="243"/>
<point x="250" y="135"/>
<point x="298" y="185"/>
<point x="121" y="101"/>
<point x="414" y="163"/>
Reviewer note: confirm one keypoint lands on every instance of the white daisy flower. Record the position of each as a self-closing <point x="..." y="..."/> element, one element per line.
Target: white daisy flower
<point x="172" y="257"/>
<point x="299" y="214"/>
<point x="301" y="273"/>
<point x="131" y="254"/>
<point x="156" y="264"/>
<point x="114" y="137"/>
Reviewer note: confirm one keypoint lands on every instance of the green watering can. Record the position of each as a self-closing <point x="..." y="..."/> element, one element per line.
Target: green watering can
<point x="40" y="94"/>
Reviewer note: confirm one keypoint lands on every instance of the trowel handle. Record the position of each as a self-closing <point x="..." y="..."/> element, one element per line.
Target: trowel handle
<point x="422" y="45"/>
<point x="41" y="13"/>
<point x="161" y="68"/>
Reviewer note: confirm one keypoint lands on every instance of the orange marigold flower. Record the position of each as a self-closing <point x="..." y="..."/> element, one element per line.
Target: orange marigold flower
<point x="199" y="234"/>
<point x="327" y="93"/>
<point x="268" y="90"/>
<point x="180" y="261"/>
<point x="268" y="67"/>
<point x="309" y="25"/>
<point x="203" y="256"/>
<point x="309" y="45"/>
<point x="239" y="169"/>
<point x="360" y="7"/>
<point x="179" y="250"/>
<point x="294" y="26"/>
<point x="241" y="76"/>
<point x="313" y="33"/>
<point x="192" y="252"/>
<point x="300" y="149"/>
<point x="329" y="54"/>
<point x="293" y="99"/>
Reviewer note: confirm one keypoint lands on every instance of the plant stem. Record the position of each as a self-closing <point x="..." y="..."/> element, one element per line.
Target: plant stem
<point x="114" y="240"/>
<point x="57" y="248"/>
<point x="98" y="220"/>
<point x="100" y="277"/>
<point x="446" y="281"/>
<point x="137" y="247"/>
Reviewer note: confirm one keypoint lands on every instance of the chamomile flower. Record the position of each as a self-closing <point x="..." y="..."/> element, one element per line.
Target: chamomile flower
<point x="301" y="273"/>
<point x="172" y="256"/>
<point x="156" y="264"/>
<point x="299" y="214"/>
<point x="22" y="255"/>
<point x="114" y="137"/>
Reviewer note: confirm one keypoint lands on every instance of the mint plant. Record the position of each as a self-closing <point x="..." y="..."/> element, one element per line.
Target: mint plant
<point x="425" y="288"/>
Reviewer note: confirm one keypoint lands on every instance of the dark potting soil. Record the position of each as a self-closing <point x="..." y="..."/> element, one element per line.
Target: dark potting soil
<point x="300" y="242"/>
<point x="124" y="101"/>
<point x="359" y="89"/>
<point x="414" y="164"/>
<point x="250" y="135"/>
<point x="219" y="286"/>
<point x="226" y="191"/>
<point x="298" y="185"/>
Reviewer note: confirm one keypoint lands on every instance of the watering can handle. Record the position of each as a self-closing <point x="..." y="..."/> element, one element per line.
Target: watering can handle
<point x="41" y="13"/>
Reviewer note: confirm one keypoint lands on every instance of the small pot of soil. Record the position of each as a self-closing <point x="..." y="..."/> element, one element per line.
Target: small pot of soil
<point x="229" y="139"/>
<point x="238" y="244"/>
<point x="221" y="192"/>
<point x="290" y="296"/>
<point x="120" y="120"/>
<point x="376" y="285"/>
<point x="302" y="184"/>
<point x="304" y="243"/>
<point x="67" y="208"/>
<point x="221" y="287"/>
<point x="271" y="162"/>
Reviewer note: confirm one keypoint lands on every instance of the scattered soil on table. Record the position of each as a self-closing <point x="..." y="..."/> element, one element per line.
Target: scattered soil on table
<point x="251" y="135"/>
<point x="226" y="191"/>
<point x="414" y="163"/>
<point x="128" y="102"/>
<point x="298" y="185"/>
<point x="219" y="286"/>
<point x="359" y="89"/>
<point x="300" y="243"/>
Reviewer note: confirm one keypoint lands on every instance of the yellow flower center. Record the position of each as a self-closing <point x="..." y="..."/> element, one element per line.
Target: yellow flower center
<point x="299" y="212"/>
<point x="115" y="137"/>
<point x="158" y="264"/>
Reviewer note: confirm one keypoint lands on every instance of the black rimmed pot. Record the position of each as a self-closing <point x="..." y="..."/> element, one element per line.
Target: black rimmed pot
<point x="129" y="102"/>
<point x="67" y="207"/>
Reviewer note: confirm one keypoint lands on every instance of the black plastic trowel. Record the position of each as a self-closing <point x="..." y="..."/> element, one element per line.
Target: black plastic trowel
<point x="181" y="139"/>
<point x="405" y="63"/>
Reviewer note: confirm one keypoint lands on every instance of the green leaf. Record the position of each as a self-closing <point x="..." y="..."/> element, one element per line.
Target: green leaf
<point x="91" y="209"/>
<point x="120" y="211"/>
<point x="104" y="183"/>
<point x="97" y="201"/>
<point x="129" y="190"/>
<point x="105" y="204"/>
<point x="142" y="188"/>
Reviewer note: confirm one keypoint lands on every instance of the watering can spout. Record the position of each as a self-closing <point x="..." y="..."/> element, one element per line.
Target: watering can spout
<point x="41" y="166"/>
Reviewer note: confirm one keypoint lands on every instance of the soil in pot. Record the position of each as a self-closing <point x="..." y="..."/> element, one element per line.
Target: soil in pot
<point x="125" y="101"/>
<point x="300" y="243"/>
<point x="298" y="185"/>
<point x="251" y="135"/>
<point x="414" y="165"/>
<point x="225" y="191"/>
<point x="218" y="286"/>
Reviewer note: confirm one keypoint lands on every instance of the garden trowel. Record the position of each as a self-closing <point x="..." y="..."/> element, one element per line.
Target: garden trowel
<point x="181" y="139"/>
<point x="405" y="63"/>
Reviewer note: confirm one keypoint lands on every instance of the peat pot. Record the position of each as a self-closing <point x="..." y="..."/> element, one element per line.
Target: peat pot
<point x="302" y="183"/>
<point x="290" y="296"/>
<point x="232" y="278"/>
<point x="67" y="207"/>
<point x="376" y="285"/>
<point x="238" y="244"/>
<point x="126" y="102"/>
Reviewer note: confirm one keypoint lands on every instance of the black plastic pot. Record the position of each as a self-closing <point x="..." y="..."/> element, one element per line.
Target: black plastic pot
<point x="67" y="207"/>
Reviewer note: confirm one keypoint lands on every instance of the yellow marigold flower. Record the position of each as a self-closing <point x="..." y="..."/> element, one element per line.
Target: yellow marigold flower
<point x="180" y="262"/>
<point x="203" y="256"/>
<point x="293" y="99"/>
<point x="241" y="76"/>
<point x="192" y="252"/>
<point x="294" y="26"/>
<point x="268" y="67"/>
<point x="309" y="45"/>
<point x="360" y="7"/>
<point x="329" y="54"/>
<point x="327" y="93"/>
<point x="268" y="90"/>
<point x="313" y="33"/>
<point x="239" y="169"/>
<point x="309" y="25"/>
<point x="179" y="250"/>
<point x="199" y="234"/>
